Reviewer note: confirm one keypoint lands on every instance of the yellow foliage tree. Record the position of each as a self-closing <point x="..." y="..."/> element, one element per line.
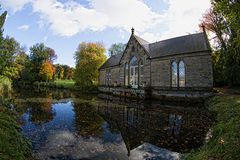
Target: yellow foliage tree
<point x="46" y="71"/>
<point x="89" y="57"/>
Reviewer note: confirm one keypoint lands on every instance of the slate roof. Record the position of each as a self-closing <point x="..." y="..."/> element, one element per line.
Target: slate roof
<point x="192" y="43"/>
<point x="112" y="61"/>
<point x="143" y="42"/>
<point x="184" y="44"/>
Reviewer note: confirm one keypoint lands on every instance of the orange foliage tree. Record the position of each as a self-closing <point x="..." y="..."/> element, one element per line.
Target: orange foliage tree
<point x="47" y="71"/>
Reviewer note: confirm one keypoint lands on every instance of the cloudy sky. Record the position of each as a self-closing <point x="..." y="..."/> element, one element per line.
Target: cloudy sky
<point x="63" y="24"/>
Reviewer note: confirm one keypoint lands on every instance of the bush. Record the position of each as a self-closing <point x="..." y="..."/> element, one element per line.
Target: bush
<point x="5" y="87"/>
<point x="12" y="144"/>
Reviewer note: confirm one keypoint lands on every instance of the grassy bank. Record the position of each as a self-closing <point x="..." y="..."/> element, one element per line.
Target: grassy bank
<point x="12" y="143"/>
<point x="225" y="141"/>
<point x="68" y="84"/>
<point x="58" y="84"/>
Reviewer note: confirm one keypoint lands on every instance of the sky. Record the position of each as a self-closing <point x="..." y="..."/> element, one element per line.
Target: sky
<point x="64" y="24"/>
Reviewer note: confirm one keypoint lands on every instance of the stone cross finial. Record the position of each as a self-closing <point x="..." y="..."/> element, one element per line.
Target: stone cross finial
<point x="132" y="30"/>
<point x="203" y="28"/>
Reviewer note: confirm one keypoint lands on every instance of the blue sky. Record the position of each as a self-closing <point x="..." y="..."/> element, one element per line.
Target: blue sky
<point x="63" y="24"/>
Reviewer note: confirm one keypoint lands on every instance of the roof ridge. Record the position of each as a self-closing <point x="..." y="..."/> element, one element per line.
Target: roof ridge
<point x="177" y="37"/>
<point x="141" y="39"/>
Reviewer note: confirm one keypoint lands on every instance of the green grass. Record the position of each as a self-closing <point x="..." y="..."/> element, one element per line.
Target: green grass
<point x="67" y="84"/>
<point x="12" y="143"/>
<point x="225" y="141"/>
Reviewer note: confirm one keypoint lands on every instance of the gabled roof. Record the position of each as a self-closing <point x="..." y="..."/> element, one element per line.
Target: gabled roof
<point x="192" y="43"/>
<point x="112" y="61"/>
<point x="185" y="44"/>
<point x="143" y="43"/>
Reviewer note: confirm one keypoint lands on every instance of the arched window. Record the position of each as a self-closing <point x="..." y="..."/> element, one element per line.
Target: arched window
<point x="133" y="61"/>
<point x="141" y="71"/>
<point x="181" y="67"/>
<point x="108" y="77"/>
<point x="126" y="74"/>
<point x="134" y="72"/>
<point x="174" y="76"/>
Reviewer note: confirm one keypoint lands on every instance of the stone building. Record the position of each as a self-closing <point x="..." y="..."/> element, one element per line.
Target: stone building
<point x="177" y="67"/>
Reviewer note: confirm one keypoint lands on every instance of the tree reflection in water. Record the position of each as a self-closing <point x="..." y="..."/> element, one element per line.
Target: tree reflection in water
<point x="107" y="128"/>
<point x="41" y="112"/>
<point x="87" y="120"/>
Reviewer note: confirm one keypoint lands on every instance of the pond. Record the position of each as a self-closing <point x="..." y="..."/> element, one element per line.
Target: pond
<point x="68" y="125"/>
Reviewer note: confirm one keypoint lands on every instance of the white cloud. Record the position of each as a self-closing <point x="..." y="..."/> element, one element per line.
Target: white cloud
<point x="78" y="147"/>
<point x="125" y="14"/>
<point x="23" y="27"/>
<point x="151" y="37"/>
<point x="183" y="17"/>
<point x="14" y="5"/>
<point x="70" y="18"/>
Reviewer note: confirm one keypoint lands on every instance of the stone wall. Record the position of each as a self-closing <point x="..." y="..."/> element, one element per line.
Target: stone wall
<point x="114" y="75"/>
<point x="102" y="75"/>
<point x="199" y="71"/>
<point x="114" y="71"/>
<point x="135" y="49"/>
<point x="198" y="68"/>
<point x="124" y="92"/>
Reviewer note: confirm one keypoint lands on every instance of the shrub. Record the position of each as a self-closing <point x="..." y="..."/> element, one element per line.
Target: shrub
<point x="5" y="87"/>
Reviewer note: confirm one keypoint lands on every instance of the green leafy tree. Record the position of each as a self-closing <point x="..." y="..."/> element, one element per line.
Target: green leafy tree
<point x="66" y="69"/>
<point x="89" y="57"/>
<point x="2" y="21"/>
<point x="116" y="48"/>
<point x="61" y="74"/>
<point x="9" y="54"/>
<point x="71" y="73"/>
<point x="223" y="21"/>
<point x="57" y="71"/>
<point x="39" y="54"/>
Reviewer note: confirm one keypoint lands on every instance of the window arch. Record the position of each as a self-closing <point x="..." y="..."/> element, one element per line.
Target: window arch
<point x="134" y="72"/>
<point x="178" y="74"/>
<point x="108" y="77"/>
<point x="141" y="70"/>
<point x="174" y="74"/>
<point x="181" y="67"/>
<point x="133" y="61"/>
<point x="126" y="72"/>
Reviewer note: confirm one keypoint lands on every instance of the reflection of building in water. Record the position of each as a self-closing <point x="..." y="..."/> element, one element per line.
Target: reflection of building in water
<point x="174" y="124"/>
<point x="178" y="130"/>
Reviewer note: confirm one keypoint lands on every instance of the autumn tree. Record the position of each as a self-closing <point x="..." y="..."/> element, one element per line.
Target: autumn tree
<point x="46" y="71"/>
<point x="214" y="23"/>
<point x="71" y="73"/>
<point x="89" y="57"/>
<point x="223" y="21"/>
<point x="39" y="55"/>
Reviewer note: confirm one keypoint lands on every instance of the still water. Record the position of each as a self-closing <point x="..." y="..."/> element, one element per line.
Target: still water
<point x="68" y="125"/>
